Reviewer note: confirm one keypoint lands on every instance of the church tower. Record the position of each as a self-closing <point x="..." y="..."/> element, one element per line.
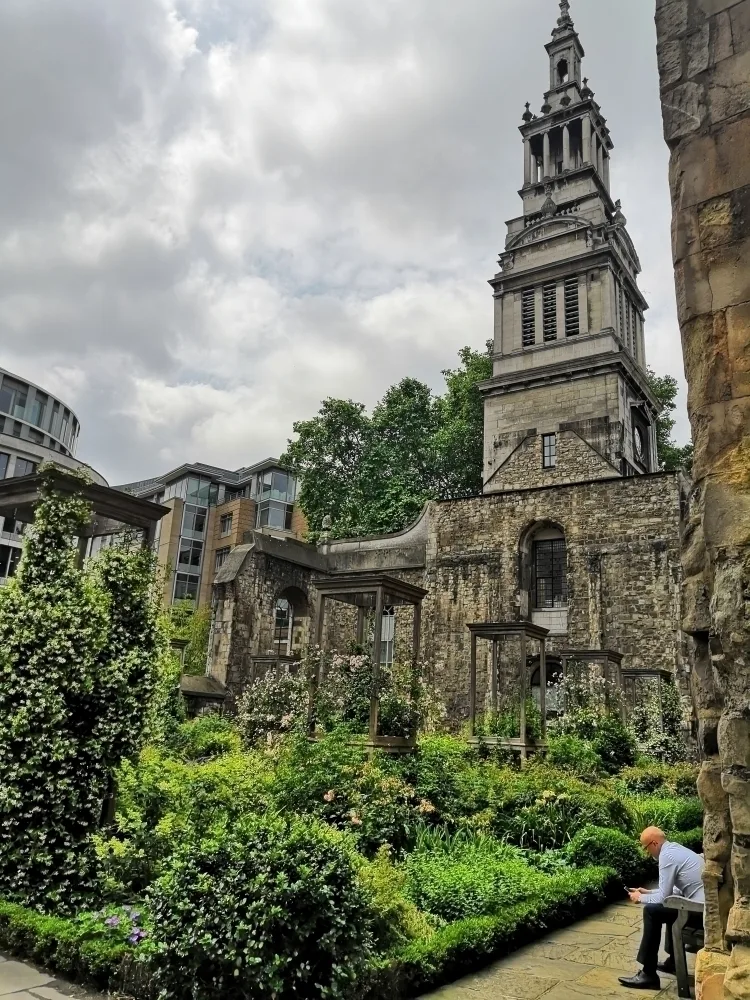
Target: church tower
<point x="569" y="398"/>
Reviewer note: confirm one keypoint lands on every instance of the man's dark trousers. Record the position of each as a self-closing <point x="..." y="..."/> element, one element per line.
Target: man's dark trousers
<point x="655" y="918"/>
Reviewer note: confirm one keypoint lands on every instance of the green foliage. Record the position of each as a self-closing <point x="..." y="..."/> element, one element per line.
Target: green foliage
<point x="272" y="705"/>
<point x="671" y="456"/>
<point x="396" y="920"/>
<point x="692" y="839"/>
<point x="373" y="474"/>
<point x="76" y="679"/>
<point x="507" y="724"/>
<point x="607" y="734"/>
<point x="649" y="776"/>
<point x="658" y="723"/>
<point x="597" y="846"/>
<point x="332" y="778"/>
<point x="670" y="815"/>
<point x="163" y="801"/>
<point x="275" y="909"/>
<point x="192" y="625"/>
<point x="205" y="738"/>
<point x="471" y="943"/>
<point x="469" y="876"/>
<point x="571" y="753"/>
<point x="85" y="949"/>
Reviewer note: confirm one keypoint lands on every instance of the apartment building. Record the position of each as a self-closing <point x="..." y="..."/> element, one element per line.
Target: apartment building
<point x="211" y="510"/>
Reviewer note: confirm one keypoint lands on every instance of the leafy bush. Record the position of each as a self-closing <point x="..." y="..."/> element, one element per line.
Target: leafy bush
<point x="77" y="671"/>
<point x="596" y="846"/>
<point x="396" y="919"/>
<point x="332" y="778"/>
<point x="273" y="705"/>
<point x="163" y="801"/>
<point x="87" y="948"/>
<point x="205" y="738"/>
<point x="448" y="774"/>
<point x="692" y="839"/>
<point x="670" y="815"/>
<point x="658" y="724"/>
<point x="571" y="753"/>
<point x="609" y="737"/>
<point x="273" y="908"/>
<point x="649" y="776"/>
<point x="507" y="724"/>
<point x="469" y="876"/>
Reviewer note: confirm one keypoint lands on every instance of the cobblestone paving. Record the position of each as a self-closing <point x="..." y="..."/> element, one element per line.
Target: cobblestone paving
<point x="584" y="960"/>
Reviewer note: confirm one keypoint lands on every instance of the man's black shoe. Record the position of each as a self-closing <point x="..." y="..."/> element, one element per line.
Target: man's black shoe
<point x="668" y="967"/>
<point x="641" y="981"/>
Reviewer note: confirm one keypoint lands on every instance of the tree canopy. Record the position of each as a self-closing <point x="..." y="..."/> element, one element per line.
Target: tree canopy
<point x="374" y="473"/>
<point x="670" y="455"/>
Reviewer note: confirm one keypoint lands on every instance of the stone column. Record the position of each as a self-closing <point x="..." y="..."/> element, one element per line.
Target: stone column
<point x="587" y="139"/>
<point x="605" y="157"/>
<point x="526" y="161"/>
<point x="703" y="51"/>
<point x="547" y="158"/>
<point x="566" y="147"/>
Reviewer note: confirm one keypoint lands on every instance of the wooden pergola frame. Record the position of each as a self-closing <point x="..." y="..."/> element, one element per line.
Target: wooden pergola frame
<point x="112" y="509"/>
<point x="497" y="632"/>
<point x="367" y="592"/>
<point x="604" y="657"/>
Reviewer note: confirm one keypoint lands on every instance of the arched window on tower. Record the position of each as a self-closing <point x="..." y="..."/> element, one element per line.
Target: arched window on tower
<point x="563" y="72"/>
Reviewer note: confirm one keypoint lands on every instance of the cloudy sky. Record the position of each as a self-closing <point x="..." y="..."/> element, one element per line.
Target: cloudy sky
<point x="214" y="213"/>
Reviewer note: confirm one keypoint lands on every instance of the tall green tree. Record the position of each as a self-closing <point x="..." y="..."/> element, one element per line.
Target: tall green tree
<point x="373" y="474"/>
<point x="671" y="456"/>
<point x="77" y="659"/>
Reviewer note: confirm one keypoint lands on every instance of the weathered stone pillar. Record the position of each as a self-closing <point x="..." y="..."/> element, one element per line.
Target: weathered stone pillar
<point x="526" y="161"/>
<point x="605" y="156"/>
<point x="566" y="147"/>
<point x="586" y="139"/>
<point x="547" y="157"/>
<point x="704" y="60"/>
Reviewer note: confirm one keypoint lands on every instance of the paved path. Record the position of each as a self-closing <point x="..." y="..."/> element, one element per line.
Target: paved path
<point x="584" y="960"/>
<point x="19" y="981"/>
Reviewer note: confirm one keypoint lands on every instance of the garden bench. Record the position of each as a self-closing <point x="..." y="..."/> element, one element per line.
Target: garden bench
<point x="687" y="936"/>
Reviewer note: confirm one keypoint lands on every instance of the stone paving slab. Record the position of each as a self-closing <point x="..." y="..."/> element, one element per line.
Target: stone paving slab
<point x="581" y="961"/>
<point x="21" y="981"/>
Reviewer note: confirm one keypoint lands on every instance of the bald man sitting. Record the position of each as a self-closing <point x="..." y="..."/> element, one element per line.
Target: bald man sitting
<point x="680" y="874"/>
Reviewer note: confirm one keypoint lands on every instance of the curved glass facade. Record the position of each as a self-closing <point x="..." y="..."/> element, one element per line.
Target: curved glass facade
<point x="31" y="414"/>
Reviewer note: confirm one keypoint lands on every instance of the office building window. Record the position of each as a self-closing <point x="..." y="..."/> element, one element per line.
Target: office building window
<point x="193" y="522"/>
<point x="272" y="514"/>
<point x="572" y="315"/>
<point x="190" y="553"/>
<point x="549" y="451"/>
<point x="186" y="587"/>
<point x="528" y="317"/>
<point x="24" y="468"/>
<point x="549" y="303"/>
<point x="10" y="557"/>
<point x="4" y="459"/>
<point x="13" y="398"/>
<point x="226" y="524"/>
<point x="221" y="557"/>
<point x="550" y="574"/>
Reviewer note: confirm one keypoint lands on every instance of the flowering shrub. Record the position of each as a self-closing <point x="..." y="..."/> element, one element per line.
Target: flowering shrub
<point x="659" y="723"/>
<point x="77" y="654"/>
<point x="607" y="734"/>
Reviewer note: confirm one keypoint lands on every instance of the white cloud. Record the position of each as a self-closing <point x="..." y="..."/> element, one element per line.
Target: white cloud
<point x="214" y="213"/>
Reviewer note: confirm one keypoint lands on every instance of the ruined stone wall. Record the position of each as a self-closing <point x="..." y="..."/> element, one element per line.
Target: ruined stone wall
<point x="704" y="64"/>
<point x="623" y="540"/>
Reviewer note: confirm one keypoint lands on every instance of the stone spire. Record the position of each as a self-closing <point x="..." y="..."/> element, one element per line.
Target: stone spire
<point x="565" y="21"/>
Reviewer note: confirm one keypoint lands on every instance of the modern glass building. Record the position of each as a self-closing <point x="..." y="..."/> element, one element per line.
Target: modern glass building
<point x="212" y="509"/>
<point x="35" y="427"/>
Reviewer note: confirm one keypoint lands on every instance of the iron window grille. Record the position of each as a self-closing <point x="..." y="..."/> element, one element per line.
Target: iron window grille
<point x="550" y="574"/>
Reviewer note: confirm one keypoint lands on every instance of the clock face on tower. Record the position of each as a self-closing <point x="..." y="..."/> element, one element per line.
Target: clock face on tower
<point x="640" y="445"/>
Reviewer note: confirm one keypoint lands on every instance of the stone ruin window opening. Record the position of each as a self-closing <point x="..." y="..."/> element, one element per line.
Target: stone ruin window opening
<point x="550" y="574"/>
<point x="290" y="610"/>
<point x="549" y="451"/>
<point x="388" y="638"/>
<point x="528" y="317"/>
<point x="563" y="72"/>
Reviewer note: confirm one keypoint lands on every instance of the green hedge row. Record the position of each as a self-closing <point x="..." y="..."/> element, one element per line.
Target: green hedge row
<point x="467" y="945"/>
<point x="61" y="946"/>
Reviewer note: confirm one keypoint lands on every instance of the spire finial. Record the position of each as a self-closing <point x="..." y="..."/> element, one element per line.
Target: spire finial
<point x="565" y="21"/>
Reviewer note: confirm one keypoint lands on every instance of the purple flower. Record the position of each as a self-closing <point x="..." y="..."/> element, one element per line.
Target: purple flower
<point x="135" y="917"/>
<point x="113" y="922"/>
<point x="137" y="936"/>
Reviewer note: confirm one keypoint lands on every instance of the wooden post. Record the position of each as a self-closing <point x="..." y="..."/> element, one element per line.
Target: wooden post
<point x="524" y="739"/>
<point x="376" y="648"/>
<point x="314" y="681"/>
<point x="495" y="661"/>
<point x="543" y="685"/>
<point x="361" y="619"/>
<point x="473" y="687"/>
